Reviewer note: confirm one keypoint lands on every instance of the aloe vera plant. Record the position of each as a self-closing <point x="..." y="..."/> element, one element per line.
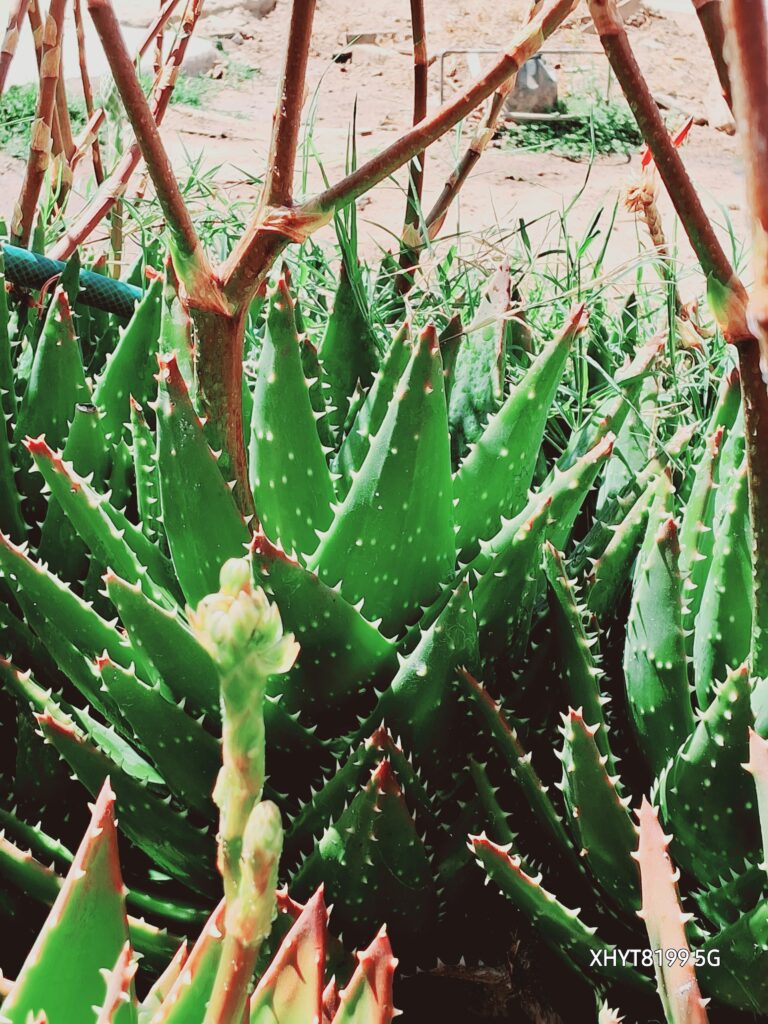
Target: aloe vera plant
<point x="459" y="562"/>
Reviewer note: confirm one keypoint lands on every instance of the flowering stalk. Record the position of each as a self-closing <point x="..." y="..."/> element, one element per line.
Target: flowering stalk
<point x="244" y="634"/>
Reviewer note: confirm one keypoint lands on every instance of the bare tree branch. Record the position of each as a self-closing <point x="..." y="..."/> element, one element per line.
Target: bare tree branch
<point x="16" y="16"/>
<point x="40" y="142"/>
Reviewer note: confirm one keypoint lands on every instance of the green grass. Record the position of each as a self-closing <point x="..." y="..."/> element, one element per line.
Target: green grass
<point x="17" y="112"/>
<point x="600" y="128"/>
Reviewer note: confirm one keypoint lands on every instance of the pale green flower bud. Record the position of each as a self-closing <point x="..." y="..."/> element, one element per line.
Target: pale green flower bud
<point x="240" y="628"/>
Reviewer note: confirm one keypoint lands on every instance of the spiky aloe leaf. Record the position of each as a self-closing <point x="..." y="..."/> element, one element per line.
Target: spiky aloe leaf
<point x="367" y="999"/>
<point x="451" y="338"/>
<point x="348" y="352"/>
<point x="696" y="534"/>
<point x="176" y="331"/>
<point x="478" y="374"/>
<point x="11" y="520"/>
<point x="175" y="845"/>
<point x="93" y="519"/>
<point x="373" y="410"/>
<point x="506" y="741"/>
<point x="757" y="766"/>
<point x="598" y="813"/>
<point x="655" y="669"/>
<point x="487" y="795"/>
<point x="560" y="927"/>
<point x="44" y="847"/>
<point x="45" y="599"/>
<point x="631" y="451"/>
<point x="145" y="473"/>
<point x="119" y="1005"/>
<point x="735" y="962"/>
<point x="291" y="989"/>
<point x="56" y="384"/>
<point x="391" y="543"/>
<point x="192" y="491"/>
<point x="725" y="900"/>
<point x="184" y="753"/>
<point x="288" y="471"/>
<point x="157" y="994"/>
<point x="317" y="385"/>
<point x="129" y="365"/>
<point x="724" y="621"/>
<point x="613" y="569"/>
<point x="66" y="987"/>
<point x="373" y="864"/>
<point x="609" y="417"/>
<point x="329" y="801"/>
<point x="420" y="705"/>
<point x="705" y="795"/>
<point x="574" y="657"/>
<point x="665" y="923"/>
<point x="86" y="450"/>
<point x="494" y="478"/>
<point x="506" y="591"/>
<point x="180" y="661"/>
<point x="189" y="994"/>
<point x="341" y="653"/>
<point x="8" y="400"/>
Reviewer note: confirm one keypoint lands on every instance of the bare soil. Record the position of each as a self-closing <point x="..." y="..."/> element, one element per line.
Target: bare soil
<point x="232" y="130"/>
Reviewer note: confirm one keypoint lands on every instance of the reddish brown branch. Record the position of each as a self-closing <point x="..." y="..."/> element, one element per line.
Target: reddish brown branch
<point x="698" y="227"/>
<point x="436" y="216"/>
<point x="411" y="238"/>
<point x="247" y="266"/>
<point x="85" y="79"/>
<point x="730" y="295"/>
<point x="96" y="120"/>
<point x="710" y="15"/>
<point x="278" y="184"/>
<point x="748" y="57"/>
<point x="748" y="53"/>
<point x="10" y="40"/>
<point x="191" y="262"/>
<point x="40" y="141"/>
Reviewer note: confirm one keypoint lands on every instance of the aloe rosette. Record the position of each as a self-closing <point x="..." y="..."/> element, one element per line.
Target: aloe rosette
<point x="409" y="524"/>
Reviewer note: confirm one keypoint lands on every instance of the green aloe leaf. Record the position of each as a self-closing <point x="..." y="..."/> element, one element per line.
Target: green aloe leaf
<point x="63" y="986"/>
<point x="391" y="543"/>
<point x="341" y="654"/>
<point x="348" y="353"/>
<point x="706" y="797"/>
<point x="494" y="479"/>
<point x="655" y="667"/>
<point x="291" y="989"/>
<point x="371" y="413"/>
<point x="183" y="752"/>
<point x="599" y="819"/>
<point x="289" y="475"/>
<point x="193" y="492"/>
<point x="129" y="367"/>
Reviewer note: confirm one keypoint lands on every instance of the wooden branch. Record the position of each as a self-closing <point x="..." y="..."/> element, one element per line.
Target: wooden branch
<point x="411" y="237"/>
<point x="40" y="141"/>
<point x="16" y="16"/>
<point x="747" y="37"/>
<point x="748" y="55"/>
<point x="701" y="234"/>
<point x="190" y="261"/>
<point x="286" y="121"/>
<point x="95" y="121"/>
<point x="730" y="297"/>
<point x="710" y="15"/>
<point x="247" y="266"/>
<point x="85" y="79"/>
<point x="36" y="24"/>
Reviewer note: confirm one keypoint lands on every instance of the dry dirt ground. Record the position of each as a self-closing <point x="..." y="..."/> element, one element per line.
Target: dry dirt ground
<point x="231" y="130"/>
